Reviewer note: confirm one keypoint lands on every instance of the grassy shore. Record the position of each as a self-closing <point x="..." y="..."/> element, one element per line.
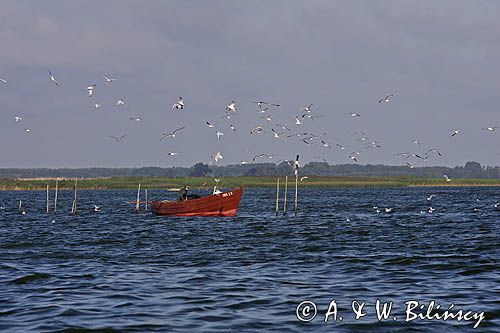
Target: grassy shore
<point x="227" y="182"/>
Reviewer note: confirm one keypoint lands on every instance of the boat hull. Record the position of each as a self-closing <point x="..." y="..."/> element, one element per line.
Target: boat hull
<point x="223" y="204"/>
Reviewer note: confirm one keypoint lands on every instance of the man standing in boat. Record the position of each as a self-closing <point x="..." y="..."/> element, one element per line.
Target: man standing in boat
<point x="183" y="193"/>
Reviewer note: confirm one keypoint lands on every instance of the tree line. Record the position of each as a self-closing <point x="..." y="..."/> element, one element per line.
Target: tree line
<point x="469" y="170"/>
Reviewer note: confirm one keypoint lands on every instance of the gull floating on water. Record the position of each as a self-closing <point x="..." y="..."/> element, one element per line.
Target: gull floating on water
<point x="179" y="105"/>
<point x="386" y="99"/>
<point x="118" y="139"/>
<point x="97" y="208"/>
<point x="171" y="135"/>
<point x="90" y="89"/>
<point x="53" y="79"/>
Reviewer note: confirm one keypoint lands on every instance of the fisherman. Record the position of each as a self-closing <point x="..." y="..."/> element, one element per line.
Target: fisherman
<point x="183" y="193"/>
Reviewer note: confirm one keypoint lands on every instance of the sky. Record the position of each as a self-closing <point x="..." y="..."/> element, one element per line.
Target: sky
<point x="439" y="59"/>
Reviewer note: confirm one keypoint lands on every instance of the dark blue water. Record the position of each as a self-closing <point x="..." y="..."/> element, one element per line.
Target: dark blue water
<point x="120" y="271"/>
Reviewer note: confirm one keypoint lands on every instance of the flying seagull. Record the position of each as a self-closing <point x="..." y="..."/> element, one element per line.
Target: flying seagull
<point x="17" y="119"/>
<point x="355" y="114"/>
<point x="210" y="125"/>
<point x="97" y="208"/>
<point x="491" y="129"/>
<point x="27" y="130"/>
<point x="3" y="80"/>
<point x="118" y="139"/>
<point x="232" y="127"/>
<point x="179" y="105"/>
<point x="219" y="134"/>
<point x="307" y="108"/>
<point x="326" y="144"/>
<point x="268" y="118"/>
<point x="217" y="156"/>
<point x="455" y="132"/>
<point x="303" y="178"/>
<point x="386" y="99"/>
<point x="136" y="119"/>
<point x="97" y="106"/>
<point x="120" y="102"/>
<point x="261" y="103"/>
<point x="297" y="121"/>
<point x="276" y="134"/>
<point x="231" y="107"/>
<point x="53" y="79"/>
<point x="171" y="135"/>
<point x="256" y="130"/>
<point x="448" y="179"/>
<point x="283" y="127"/>
<point x="108" y="79"/>
<point x="90" y="89"/>
<point x="172" y="154"/>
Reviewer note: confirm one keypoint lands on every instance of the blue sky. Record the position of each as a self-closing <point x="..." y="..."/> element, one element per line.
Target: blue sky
<point x="439" y="59"/>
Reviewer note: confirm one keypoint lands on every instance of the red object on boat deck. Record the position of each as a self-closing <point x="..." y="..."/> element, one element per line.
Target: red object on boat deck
<point x="222" y="204"/>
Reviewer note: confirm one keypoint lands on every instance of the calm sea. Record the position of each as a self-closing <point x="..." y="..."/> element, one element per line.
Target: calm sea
<point x="121" y="271"/>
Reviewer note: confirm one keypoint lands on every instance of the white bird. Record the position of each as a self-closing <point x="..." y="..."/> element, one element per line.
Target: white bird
<point x="268" y="118"/>
<point x="3" y="80"/>
<point x="256" y="130"/>
<point x="232" y="127"/>
<point x="243" y="162"/>
<point x="497" y="205"/>
<point x="307" y="109"/>
<point x="120" y="102"/>
<point x="340" y="146"/>
<point x="210" y="125"/>
<point x="261" y="103"/>
<point x="179" y="105"/>
<point x="297" y="121"/>
<point x="455" y="132"/>
<point x="217" y="156"/>
<point x="276" y="134"/>
<point x="416" y="142"/>
<point x="97" y="208"/>
<point x="53" y="79"/>
<point x="17" y="119"/>
<point x="27" y="130"/>
<point x="136" y="119"/>
<point x="491" y="129"/>
<point x="411" y="166"/>
<point x="231" y="107"/>
<point x="108" y="79"/>
<point x="118" y="139"/>
<point x="386" y="99"/>
<point x="355" y="114"/>
<point x="431" y="210"/>
<point x="448" y="179"/>
<point x="259" y="156"/>
<point x="219" y="134"/>
<point x="326" y="144"/>
<point x="388" y="210"/>
<point x="97" y="106"/>
<point x="429" y="198"/>
<point x="172" y="153"/>
<point x="90" y="89"/>
<point x="353" y="157"/>
<point x="303" y="178"/>
<point x="172" y="134"/>
<point x="283" y="127"/>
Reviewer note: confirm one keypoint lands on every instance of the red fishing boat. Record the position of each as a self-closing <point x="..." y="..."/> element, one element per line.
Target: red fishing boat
<point x="221" y="204"/>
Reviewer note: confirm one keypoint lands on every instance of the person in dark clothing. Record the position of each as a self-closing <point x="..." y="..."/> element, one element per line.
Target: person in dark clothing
<point x="183" y="193"/>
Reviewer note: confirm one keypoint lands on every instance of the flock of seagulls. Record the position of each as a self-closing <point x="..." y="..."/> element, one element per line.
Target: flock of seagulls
<point x="279" y="131"/>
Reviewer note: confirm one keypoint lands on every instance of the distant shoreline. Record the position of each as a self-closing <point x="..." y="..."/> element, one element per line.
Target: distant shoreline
<point x="118" y="183"/>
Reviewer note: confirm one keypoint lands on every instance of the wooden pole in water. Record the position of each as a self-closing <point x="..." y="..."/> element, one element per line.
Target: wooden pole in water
<point x="146" y="195"/>
<point x="277" y="196"/>
<point x="137" y="202"/>
<point x="55" y="196"/>
<point x="296" y="182"/>
<point x="73" y="209"/>
<point x="47" y="201"/>
<point x="284" y="198"/>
